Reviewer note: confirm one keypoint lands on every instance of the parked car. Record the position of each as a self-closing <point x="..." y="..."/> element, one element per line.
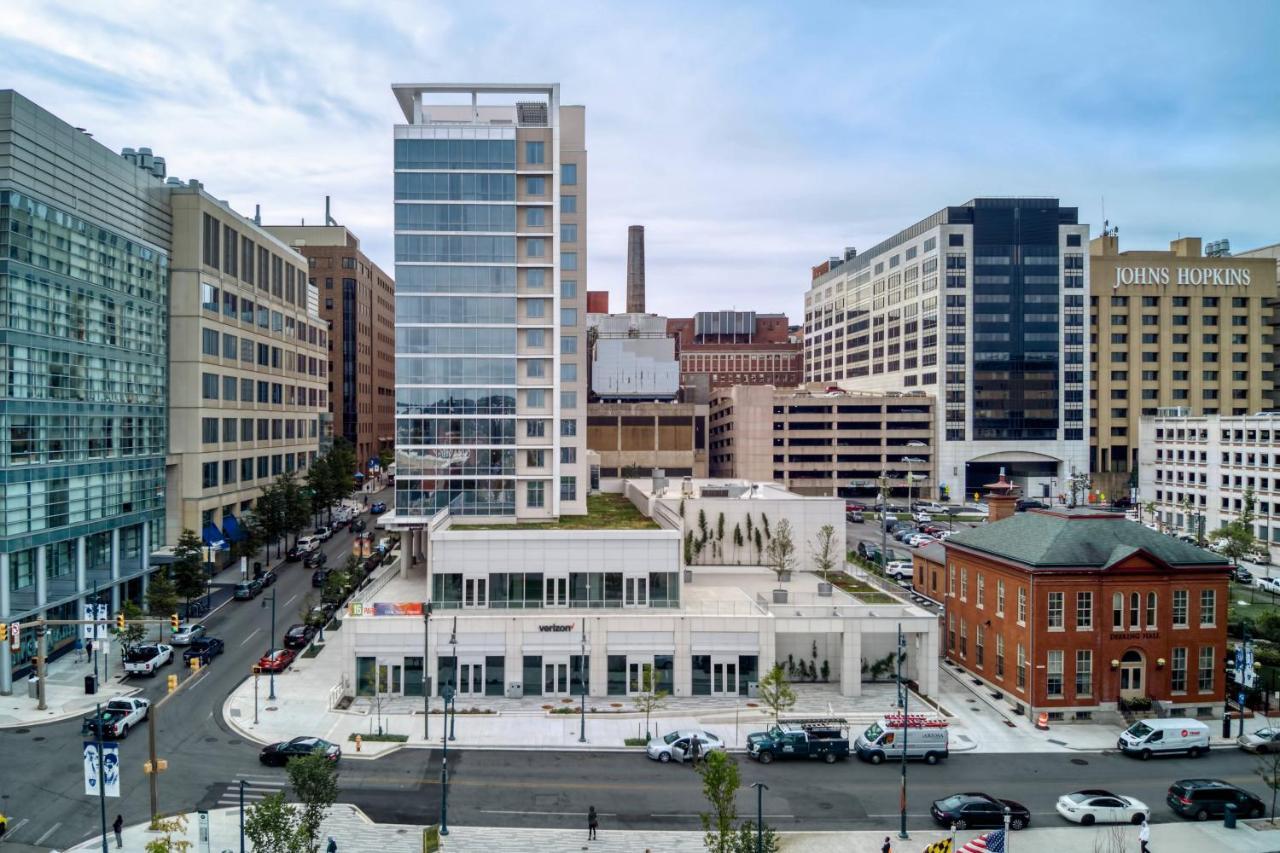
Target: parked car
<point x="1090" y="807"/>
<point x="268" y="578"/>
<point x="372" y="562"/>
<point x="358" y="526"/>
<point x="377" y="507"/>
<point x="1206" y="798"/>
<point x="1261" y="740"/>
<point x="825" y="739"/>
<point x="1240" y="574"/>
<point x="206" y="649"/>
<point x="1028" y="503"/>
<point x="978" y="811"/>
<point x="1271" y="585"/>
<point x="147" y="660"/>
<point x="298" y="636"/>
<point x="1171" y="734"/>
<point x="277" y="661"/>
<point x="921" y="738"/>
<point x="944" y="535"/>
<point x="920" y="540"/>
<point x="316" y="560"/>
<point x="247" y="590"/>
<point x="853" y="517"/>
<point x="922" y="517"/>
<point x="323" y="533"/>
<point x="185" y="635"/>
<point x="278" y="754"/>
<point x="853" y="506"/>
<point x="898" y="569"/>
<point x="676" y="745"/>
<point x="118" y="716"/>
<point x="307" y="544"/>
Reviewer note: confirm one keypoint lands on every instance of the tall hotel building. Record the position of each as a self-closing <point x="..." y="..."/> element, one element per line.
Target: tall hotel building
<point x="981" y="306"/>
<point x="490" y="250"/>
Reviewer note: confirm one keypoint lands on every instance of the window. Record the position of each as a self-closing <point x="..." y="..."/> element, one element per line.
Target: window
<point x="209" y="430"/>
<point x="1208" y="607"/>
<point x="1000" y="656"/>
<point x="534" y="152"/>
<point x="535" y="493"/>
<point x="568" y="204"/>
<point x="978" y="644"/>
<point x="535" y="186"/>
<point x="568" y="400"/>
<point x="1053" y="674"/>
<point x="1204" y="675"/>
<point x="536" y="398"/>
<point x="1022" y="605"/>
<point x="951" y="631"/>
<point x="982" y="589"/>
<point x="1151" y="611"/>
<point x="569" y="427"/>
<point x="1179" y="608"/>
<point x="535" y="458"/>
<point x="1135" y="615"/>
<point x="999" y="597"/>
<point x="568" y="488"/>
<point x="209" y="386"/>
<point x="569" y="261"/>
<point x="1056" y="619"/>
<point x="535" y="337"/>
<point x="568" y="373"/>
<point x="964" y="584"/>
<point x="951" y="581"/>
<point x="209" y="475"/>
<point x="535" y="308"/>
<point x="535" y="429"/>
<point x="535" y="248"/>
<point x="535" y="217"/>
<point x="1084" y="610"/>
<point x="568" y="316"/>
<point x="1022" y="668"/>
<point x="568" y="288"/>
<point x="208" y="297"/>
<point x="964" y="638"/>
<point x="1117" y="610"/>
<point x="209" y="342"/>
<point x="1084" y="672"/>
<point x="536" y="368"/>
<point x="955" y="239"/>
<point x="569" y="174"/>
<point x="568" y="455"/>
<point x="568" y="234"/>
<point x="1178" y="671"/>
<point x="568" y="344"/>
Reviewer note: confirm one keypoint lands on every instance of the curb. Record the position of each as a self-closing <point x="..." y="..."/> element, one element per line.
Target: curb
<point x="66" y="716"/>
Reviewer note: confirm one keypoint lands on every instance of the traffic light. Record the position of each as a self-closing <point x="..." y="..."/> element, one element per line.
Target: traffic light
<point x="119" y="621"/>
<point x="173" y="683"/>
<point x="173" y="621"/>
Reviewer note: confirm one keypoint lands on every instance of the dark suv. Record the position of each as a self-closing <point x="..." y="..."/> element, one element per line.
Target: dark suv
<point x="1206" y="798"/>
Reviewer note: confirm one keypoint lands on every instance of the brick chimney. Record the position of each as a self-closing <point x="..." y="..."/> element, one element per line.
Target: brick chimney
<point x="1002" y="499"/>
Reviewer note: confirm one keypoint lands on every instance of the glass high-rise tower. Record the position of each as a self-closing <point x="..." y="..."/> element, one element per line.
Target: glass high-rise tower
<point x="490" y="250"/>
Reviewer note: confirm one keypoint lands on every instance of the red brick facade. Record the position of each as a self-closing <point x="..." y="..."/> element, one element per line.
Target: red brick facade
<point x="766" y="357"/>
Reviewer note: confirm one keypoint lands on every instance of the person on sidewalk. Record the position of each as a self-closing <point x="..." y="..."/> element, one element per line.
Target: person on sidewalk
<point x="887" y="847"/>
<point x="593" y="823"/>
<point x="1144" y="835"/>
<point x="118" y="827"/>
<point x="695" y="747"/>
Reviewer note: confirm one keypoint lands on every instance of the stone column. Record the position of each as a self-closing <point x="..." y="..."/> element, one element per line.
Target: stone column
<point x="682" y="664"/>
<point x="144" y="552"/>
<point x="6" y="663"/>
<point x="42" y="582"/>
<point x="4" y="585"/>
<point x="82" y="567"/>
<point x="115" y="570"/>
<point x="851" y="660"/>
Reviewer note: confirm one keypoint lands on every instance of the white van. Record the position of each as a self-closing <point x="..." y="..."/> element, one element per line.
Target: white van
<point x="1148" y="737"/>
<point x="926" y="737"/>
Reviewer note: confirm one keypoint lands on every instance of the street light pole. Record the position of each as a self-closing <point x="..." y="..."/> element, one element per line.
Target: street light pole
<point x="582" y="709"/>
<point x="902" y="693"/>
<point x="760" y="789"/>
<point x="102" y="775"/>
<point x="241" y="816"/>
<point x="884" y="519"/>
<point x="453" y="694"/>
<point x="271" y="694"/>
<point x="426" y="681"/>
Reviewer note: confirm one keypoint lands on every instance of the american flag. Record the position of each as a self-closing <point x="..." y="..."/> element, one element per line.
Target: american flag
<point x="991" y="842"/>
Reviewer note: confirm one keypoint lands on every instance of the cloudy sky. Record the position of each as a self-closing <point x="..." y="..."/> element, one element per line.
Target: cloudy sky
<point x="751" y="139"/>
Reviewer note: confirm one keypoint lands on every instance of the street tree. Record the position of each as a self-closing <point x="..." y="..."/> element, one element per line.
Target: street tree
<point x="314" y="780"/>
<point x="296" y="506"/>
<point x="162" y="598"/>
<point x="745" y="840"/>
<point x="720" y="783"/>
<point x="270" y="511"/>
<point x="824" y="550"/>
<point x="649" y="699"/>
<point x="781" y="551"/>
<point x="775" y="692"/>
<point x="167" y="843"/>
<point x="1268" y="768"/>
<point x="188" y="566"/>
<point x="1235" y="539"/>
<point x="272" y="825"/>
<point x="737" y="540"/>
<point x="321" y="484"/>
<point x="134" y="631"/>
<point x="252" y="538"/>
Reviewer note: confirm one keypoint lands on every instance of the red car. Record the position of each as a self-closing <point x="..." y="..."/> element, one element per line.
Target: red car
<point x="277" y="661"/>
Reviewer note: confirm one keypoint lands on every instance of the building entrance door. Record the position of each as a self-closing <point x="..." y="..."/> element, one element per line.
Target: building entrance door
<point x="640" y="674"/>
<point x="470" y="679"/>
<point x="555" y="679"/>
<point x="390" y="679"/>
<point x="556" y="592"/>
<point x="636" y="592"/>
<point x="1132" y="668"/>
<point x="724" y="677"/>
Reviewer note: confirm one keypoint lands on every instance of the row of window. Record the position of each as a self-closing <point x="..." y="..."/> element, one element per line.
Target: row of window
<point x="233" y="389"/>
<point x="228" y="346"/>
<point x="226" y="249"/>
<point x="232" y="307"/>
<point x="230" y="471"/>
<point x="60" y="557"/>
<point x="233" y="430"/>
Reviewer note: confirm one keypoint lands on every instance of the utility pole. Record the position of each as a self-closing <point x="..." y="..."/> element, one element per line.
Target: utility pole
<point x="906" y="726"/>
<point x="241" y="816"/>
<point x="271" y="693"/>
<point x="426" y="679"/>
<point x="582" y="662"/>
<point x="760" y="789"/>
<point x="40" y="632"/>
<point x="102" y="777"/>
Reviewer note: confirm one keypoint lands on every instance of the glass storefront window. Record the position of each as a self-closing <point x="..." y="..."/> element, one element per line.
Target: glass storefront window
<point x="413" y="676"/>
<point x="617" y="685"/>
<point x="444" y="674"/>
<point x="495" y="675"/>
<point x="748" y="670"/>
<point x="579" y="671"/>
<point x="664" y="673"/>
<point x="701" y="675"/>
<point x="366" y="676"/>
<point x="533" y="675"/>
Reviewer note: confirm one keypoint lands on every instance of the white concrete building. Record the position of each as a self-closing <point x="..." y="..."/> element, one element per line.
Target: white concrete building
<point x="1200" y="467"/>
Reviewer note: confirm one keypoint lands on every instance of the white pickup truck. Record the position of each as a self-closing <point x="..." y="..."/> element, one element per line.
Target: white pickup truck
<point x="147" y="660"/>
<point x="118" y="716"/>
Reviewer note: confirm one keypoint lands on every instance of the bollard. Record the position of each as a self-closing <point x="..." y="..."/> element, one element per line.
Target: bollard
<point x="359" y="742"/>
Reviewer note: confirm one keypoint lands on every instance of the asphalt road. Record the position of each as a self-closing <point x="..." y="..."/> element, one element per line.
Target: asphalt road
<point x="41" y="776"/>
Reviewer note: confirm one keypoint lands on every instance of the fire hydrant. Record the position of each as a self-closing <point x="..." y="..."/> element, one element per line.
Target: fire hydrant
<point x="359" y="741"/>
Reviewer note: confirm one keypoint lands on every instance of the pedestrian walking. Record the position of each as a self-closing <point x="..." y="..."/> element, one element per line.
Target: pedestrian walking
<point x="88" y="649"/>
<point x="1144" y="835"/>
<point x="887" y="847"/>
<point x="593" y="822"/>
<point x="118" y="826"/>
<point x="695" y="747"/>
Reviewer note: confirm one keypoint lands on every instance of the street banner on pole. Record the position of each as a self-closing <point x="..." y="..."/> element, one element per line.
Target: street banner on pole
<point x="86" y="631"/>
<point x="102" y="621"/>
<point x="110" y="768"/>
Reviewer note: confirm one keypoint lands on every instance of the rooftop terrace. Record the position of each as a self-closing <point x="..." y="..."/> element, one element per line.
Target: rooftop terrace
<point x="604" y="512"/>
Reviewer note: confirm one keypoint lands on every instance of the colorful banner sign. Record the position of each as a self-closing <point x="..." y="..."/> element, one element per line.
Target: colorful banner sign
<point x="110" y="768"/>
<point x="385" y="608"/>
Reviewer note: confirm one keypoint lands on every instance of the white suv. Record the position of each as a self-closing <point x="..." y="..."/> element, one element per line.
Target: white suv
<point x="898" y="569"/>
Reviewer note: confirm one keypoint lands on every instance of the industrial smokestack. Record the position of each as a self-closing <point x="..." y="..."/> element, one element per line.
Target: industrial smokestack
<point x="635" y="269"/>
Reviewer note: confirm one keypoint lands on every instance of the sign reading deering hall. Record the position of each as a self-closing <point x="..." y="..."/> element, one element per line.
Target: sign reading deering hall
<point x="1190" y="276"/>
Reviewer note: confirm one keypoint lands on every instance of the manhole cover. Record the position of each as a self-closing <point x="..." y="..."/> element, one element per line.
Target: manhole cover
<point x="21" y="731"/>
<point x="1079" y="761"/>
<point x="211" y="740"/>
<point x="38" y="738"/>
<point x="235" y="741"/>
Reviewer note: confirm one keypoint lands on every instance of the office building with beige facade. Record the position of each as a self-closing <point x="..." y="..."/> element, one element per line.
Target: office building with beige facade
<point x="1173" y="329"/>
<point x="358" y="304"/>
<point x="815" y="441"/>
<point x="248" y="364"/>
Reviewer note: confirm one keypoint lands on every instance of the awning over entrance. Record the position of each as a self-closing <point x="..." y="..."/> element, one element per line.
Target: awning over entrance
<point x="213" y="537"/>
<point x="232" y="528"/>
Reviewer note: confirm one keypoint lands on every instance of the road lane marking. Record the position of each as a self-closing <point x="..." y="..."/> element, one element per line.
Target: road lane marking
<point x="50" y="831"/>
<point x="250" y="637"/>
<point x="292" y="600"/>
<point x="14" y="830"/>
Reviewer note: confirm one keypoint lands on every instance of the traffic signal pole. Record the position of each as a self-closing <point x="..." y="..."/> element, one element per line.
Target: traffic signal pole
<point x="155" y="765"/>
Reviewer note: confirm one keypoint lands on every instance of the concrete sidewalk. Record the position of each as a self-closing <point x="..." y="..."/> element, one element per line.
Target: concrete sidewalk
<point x="353" y="831"/>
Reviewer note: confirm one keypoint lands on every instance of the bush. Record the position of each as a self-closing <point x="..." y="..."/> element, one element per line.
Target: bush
<point x="382" y="738"/>
<point x="636" y="741"/>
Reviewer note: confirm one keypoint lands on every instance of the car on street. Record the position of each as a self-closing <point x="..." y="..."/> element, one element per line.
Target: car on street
<point x="206" y="648"/>
<point x="147" y="660"/>
<point x="298" y="636"/>
<point x="676" y="745"/>
<point x="372" y="562"/>
<point x="825" y="739"/>
<point x="1027" y="503"/>
<point x="358" y="526"/>
<point x="853" y="506"/>
<point x="377" y="507"/>
<point x="185" y="635"/>
<point x="898" y="569"/>
<point x="1271" y="585"/>
<point x="323" y="533"/>
<point x="920" y="539"/>
<point x="1240" y="574"/>
<point x="1096" y="806"/>
<point x="307" y="544"/>
<point x="1205" y="798"/>
<point x="922" y="517"/>
<point x="278" y="754"/>
<point x="277" y="661"/>
<point x="853" y="517"/>
<point x="975" y="810"/>
<point x="247" y="590"/>
<point x="118" y="716"/>
<point x="1261" y="740"/>
<point x="318" y="577"/>
<point x="944" y="535"/>
<point x="316" y="560"/>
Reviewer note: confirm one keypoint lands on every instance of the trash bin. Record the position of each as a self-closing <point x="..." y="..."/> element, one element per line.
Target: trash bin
<point x="1229" y="815"/>
<point x="90" y="684"/>
<point x="33" y="687"/>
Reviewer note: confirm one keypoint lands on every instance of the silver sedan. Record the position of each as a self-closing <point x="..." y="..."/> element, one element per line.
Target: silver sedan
<point x="679" y="744"/>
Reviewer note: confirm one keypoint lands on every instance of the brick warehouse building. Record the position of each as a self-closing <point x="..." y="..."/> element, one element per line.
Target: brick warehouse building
<point x="1068" y="611"/>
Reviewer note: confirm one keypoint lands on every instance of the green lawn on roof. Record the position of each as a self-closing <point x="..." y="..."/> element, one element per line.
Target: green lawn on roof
<point x="604" y="512"/>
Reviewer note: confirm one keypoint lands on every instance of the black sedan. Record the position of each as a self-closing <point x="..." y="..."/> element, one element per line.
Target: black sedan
<point x="298" y="636"/>
<point x="278" y="754"/>
<point x="268" y="578"/>
<point x="316" y="559"/>
<point x="205" y="648"/>
<point x="294" y="555"/>
<point x="979" y="811"/>
<point x="319" y="576"/>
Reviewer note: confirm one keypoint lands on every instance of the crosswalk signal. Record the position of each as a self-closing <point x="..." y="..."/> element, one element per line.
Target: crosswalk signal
<point x="173" y="683"/>
<point x="173" y="621"/>
<point x="119" y="621"/>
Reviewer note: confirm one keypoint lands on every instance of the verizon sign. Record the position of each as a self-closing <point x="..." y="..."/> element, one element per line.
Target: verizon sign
<point x="556" y="629"/>
<point x="1185" y="276"/>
